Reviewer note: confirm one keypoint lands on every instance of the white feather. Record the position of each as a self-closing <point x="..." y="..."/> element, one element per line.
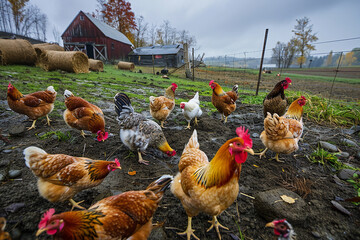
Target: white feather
<point x="29" y="151"/>
<point x="67" y="93"/>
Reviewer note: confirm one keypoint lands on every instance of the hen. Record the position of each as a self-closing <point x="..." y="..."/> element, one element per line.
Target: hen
<point x="210" y="187"/>
<point x="224" y="102"/>
<point x="61" y="176"/>
<point x="282" y="229"/>
<point x="136" y="131"/>
<point x="275" y="101"/>
<point x="161" y="107"/>
<point x="33" y="105"/>
<point x="3" y="235"/>
<point x="124" y="216"/>
<point x="82" y="115"/>
<point x="282" y="134"/>
<point x="191" y="109"/>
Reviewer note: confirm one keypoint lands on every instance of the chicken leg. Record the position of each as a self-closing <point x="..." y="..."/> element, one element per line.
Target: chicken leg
<point x="225" y="119"/>
<point x="188" y="126"/>
<point x="141" y="160"/>
<point x="262" y="153"/>
<point x="196" y="121"/>
<point x="76" y="204"/>
<point x="189" y="231"/>
<point x="32" y="126"/>
<point x="162" y="124"/>
<point x="48" y="120"/>
<point x="277" y="158"/>
<point x="82" y="133"/>
<point x="216" y="224"/>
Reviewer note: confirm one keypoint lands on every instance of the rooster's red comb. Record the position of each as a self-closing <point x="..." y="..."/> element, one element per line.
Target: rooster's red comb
<point x="46" y="217"/>
<point x="242" y="133"/>
<point x="117" y="162"/>
<point x="303" y="98"/>
<point x="211" y="82"/>
<point x="175" y="85"/>
<point x="288" y="80"/>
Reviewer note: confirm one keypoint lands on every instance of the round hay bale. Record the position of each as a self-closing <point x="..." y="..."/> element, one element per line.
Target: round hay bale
<point x="16" y="51"/>
<point x="41" y="47"/>
<point x="69" y="61"/>
<point x="126" y="65"/>
<point x="96" y="65"/>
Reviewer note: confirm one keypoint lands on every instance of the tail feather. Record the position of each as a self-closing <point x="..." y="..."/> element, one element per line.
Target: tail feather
<point x="51" y="89"/>
<point x="235" y="89"/>
<point x="160" y="185"/>
<point x="67" y="94"/>
<point x="30" y="152"/>
<point x="122" y="104"/>
<point x="193" y="141"/>
<point x="196" y="96"/>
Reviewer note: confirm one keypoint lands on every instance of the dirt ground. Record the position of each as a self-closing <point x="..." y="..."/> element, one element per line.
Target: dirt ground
<point x="257" y="176"/>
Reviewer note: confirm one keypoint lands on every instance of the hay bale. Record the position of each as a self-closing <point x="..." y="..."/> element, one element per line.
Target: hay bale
<point x="40" y="48"/>
<point x="70" y="61"/>
<point x="16" y="51"/>
<point x="126" y="65"/>
<point x="96" y="65"/>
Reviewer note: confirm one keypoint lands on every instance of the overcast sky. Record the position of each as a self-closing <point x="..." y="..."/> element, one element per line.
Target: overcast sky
<point x="231" y="27"/>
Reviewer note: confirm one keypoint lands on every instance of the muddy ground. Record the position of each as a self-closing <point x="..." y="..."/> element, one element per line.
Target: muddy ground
<point x="257" y="175"/>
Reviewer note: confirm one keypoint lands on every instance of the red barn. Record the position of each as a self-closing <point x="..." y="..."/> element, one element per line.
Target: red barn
<point x="95" y="38"/>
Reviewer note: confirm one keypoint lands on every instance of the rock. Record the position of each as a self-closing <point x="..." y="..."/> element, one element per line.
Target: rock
<point x="269" y="205"/>
<point x="328" y="146"/>
<point x="349" y="142"/>
<point x="15" y="233"/>
<point x="14" y="173"/>
<point x="346" y="174"/>
<point x="157" y="233"/>
<point x="343" y="155"/>
<point x="255" y="135"/>
<point x="316" y="234"/>
<point x="2" y="177"/>
<point x="7" y="151"/>
<point x="4" y="163"/>
<point x="17" y="130"/>
<point x="14" y="207"/>
<point x="353" y="130"/>
<point x="340" y="208"/>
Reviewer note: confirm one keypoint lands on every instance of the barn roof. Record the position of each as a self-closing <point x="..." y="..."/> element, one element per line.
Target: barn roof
<point x="109" y="31"/>
<point x="157" y="50"/>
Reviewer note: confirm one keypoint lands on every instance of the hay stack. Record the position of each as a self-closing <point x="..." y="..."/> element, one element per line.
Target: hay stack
<point x="16" y="51"/>
<point x="96" y="65"/>
<point x="70" y="61"/>
<point x="126" y="65"/>
<point x="42" y="47"/>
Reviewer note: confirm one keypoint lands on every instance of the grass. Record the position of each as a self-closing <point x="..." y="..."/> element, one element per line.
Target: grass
<point x="355" y="181"/>
<point x="60" y="135"/>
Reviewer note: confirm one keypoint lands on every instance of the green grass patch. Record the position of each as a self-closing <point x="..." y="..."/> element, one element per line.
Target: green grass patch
<point x="60" y="135"/>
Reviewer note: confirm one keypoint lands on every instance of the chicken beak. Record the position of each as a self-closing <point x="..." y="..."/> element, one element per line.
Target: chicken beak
<point x="270" y="224"/>
<point x="249" y="150"/>
<point x="40" y="231"/>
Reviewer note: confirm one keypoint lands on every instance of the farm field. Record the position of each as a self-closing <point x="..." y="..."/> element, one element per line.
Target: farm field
<point x="318" y="220"/>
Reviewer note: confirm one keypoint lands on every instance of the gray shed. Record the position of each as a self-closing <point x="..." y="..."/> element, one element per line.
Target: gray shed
<point x="164" y="56"/>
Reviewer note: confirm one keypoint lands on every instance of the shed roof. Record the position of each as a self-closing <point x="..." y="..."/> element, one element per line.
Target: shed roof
<point x="108" y="30"/>
<point x="157" y="50"/>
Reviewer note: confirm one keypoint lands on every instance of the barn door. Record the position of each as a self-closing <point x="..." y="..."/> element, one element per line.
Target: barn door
<point x="90" y="51"/>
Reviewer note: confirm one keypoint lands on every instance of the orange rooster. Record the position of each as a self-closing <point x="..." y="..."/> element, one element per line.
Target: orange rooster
<point x="161" y="107"/>
<point x="210" y="187"/>
<point x="61" y="176"/>
<point x="33" y="105"/>
<point x="282" y="134"/>
<point x="124" y="216"/>
<point x="224" y="102"/>
<point x="82" y="115"/>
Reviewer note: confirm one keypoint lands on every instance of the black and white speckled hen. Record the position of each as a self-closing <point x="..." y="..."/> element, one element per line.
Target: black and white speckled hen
<point x="136" y="131"/>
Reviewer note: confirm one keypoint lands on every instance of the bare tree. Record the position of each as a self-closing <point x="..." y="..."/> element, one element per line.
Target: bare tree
<point x="184" y="37"/>
<point x="6" y="16"/>
<point x="56" y="35"/>
<point x="166" y="29"/>
<point x="159" y="37"/>
<point x="289" y="53"/>
<point x="278" y="54"/>
<point x="17" y="7"/>
<point x="152" y="35"/>
<point x="140" y="32"/>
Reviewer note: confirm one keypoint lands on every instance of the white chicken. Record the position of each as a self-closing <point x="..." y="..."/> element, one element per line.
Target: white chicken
<point x="191" y="109"/>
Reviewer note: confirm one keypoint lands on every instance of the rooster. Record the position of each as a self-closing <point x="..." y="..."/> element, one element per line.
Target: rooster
<point x="33" y="105"/>
<point x="282" y="134"/>
<point x="61" y="176"/>
<point x="138" y="132"/>
<point x="210" y="187"/>
<point x="82" y="115"/>
<point x="282" y="229"/>
<point x="275" y="101"/>
<point x="124" y="216"/>
<point x="191" y="109"/>
<point x="161" y="107"/>
<point x="224" y="102"/>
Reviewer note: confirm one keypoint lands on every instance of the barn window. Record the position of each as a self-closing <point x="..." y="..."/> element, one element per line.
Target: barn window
<point x="112" y="46"/>
<point x="81" y="17"/>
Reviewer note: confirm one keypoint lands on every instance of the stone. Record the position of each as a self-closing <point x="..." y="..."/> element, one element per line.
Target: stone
<point x="17" y="130"/>
<point x="343" y="155"/>
<point x="269" y="205"/>
<point x="2" y="177"/>
<point x="157" y="233"/>
<point x="255" y="135"/>
<point x="14" y="173"/>
<point x="346" y="174"/>
<point x="349" y="142"/>
<point x="7" y="151"/>
<point x="328" y="146"/>
<point x="316" y="234"/>
<point x="4" y="163"/>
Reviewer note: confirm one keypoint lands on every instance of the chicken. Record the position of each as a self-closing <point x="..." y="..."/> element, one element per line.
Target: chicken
<point x="282" y="134"/>
<point x="282" y="229"/>
<point x="137" y="132"/>
<point x="124" y="216"/>
<point x="61" y="176"/>
<point x="210" y="187"/>
<point x="224" y="102"/>
<point x="3" y="235"/>
<point x="33" y="105"/>
<point x="275" y="101"/>
<point x="82" y="115"/>
<point x="161" y="107"/>
<point x="191" y="109"/>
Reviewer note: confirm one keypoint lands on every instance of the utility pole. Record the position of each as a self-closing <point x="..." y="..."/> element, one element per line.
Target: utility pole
<point x="262" y="60"/>
<point x="193" y="64"/>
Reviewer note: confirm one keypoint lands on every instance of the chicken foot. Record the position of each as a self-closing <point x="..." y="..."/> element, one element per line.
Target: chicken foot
<point x="189" y="231"/>
<point x="216" y="224"/>
<point x="48" y="120"/>
<point x="225" y="119"/>
<point x="76" y="204"/>
<point x="277" y="158"/>
<point x="141" y="160"/>
<point x="188" y="126"/>
<point x="196" y="121"/>
<point x="32" y="126"/>
<point x="82" y="133"/>
<point x="262" y="153"/>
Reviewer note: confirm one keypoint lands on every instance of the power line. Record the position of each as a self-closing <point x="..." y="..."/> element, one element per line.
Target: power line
<point x="338" y="40"/>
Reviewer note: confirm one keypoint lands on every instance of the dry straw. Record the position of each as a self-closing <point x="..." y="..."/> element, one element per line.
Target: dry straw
<point x="69" y="61"/>
<point x="96" y="65"/>
<point x="42" y="47"/>
<point x="126" y="65"/>
<point x="16" y="51"/>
